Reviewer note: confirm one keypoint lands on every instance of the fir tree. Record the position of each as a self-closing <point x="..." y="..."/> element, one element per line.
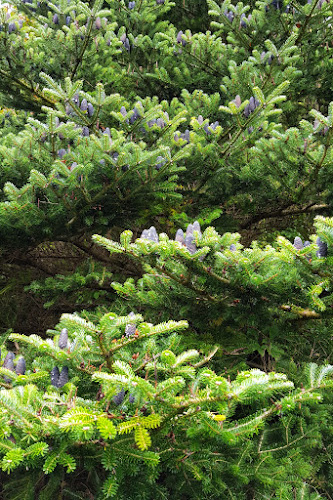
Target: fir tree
<point x="137" y="417"/>
<point x="137" y="111"/>
<point x="120" y="119"/>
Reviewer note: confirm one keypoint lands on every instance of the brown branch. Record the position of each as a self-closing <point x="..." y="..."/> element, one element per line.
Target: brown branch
<point x="285" y="211"/>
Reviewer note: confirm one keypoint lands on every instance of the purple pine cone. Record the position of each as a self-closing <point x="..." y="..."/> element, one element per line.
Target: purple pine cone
<point x="212" y="126"/>
<point x="229" y="15"/>
<point x="9" y="364"/>
<point x="98" y="23"/>
<point x="131" y="327"/>
<point x="161" y="162"/>
<point x="322" y="248"/>
<point x="8" y="360"/>
<point x="90" y="109"/>
<point x="160" y="123"/>
<point x="190" y="245"/>
<point x="12" y="27"/>
<point x="237" y="101"/>
<point x="55" y="19"/>
<point x="131" y="5"/>
<point x="84" y="105"/>
<point x="131" y="398"/>
<point x="253" y="104"/>
<point x="179" y="38"/>
<point x="196" y="227"/>
<point x="76" y="100"/>
<point x="152" y="234"/>
<point x="63" y="339"/>
<point x="119" y="398"/>
<point x="55" y="376"/>
<point x="298" y="243"/>
<point x="20" y="367"/>
<point x="85" y="131"/>
<point x="61" y="153"/>
<point x="135" y="115"/>
<point x="189" y="230"/>
<point x="180" y="236"/>
<point x="63" y="377"/>
<point x="125" y="41"/>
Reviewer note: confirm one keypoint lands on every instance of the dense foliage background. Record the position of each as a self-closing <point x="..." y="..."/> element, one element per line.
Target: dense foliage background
<point x="210" y="123"/>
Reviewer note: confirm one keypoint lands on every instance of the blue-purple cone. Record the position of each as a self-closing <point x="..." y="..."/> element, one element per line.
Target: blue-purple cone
<point x="190" y="245"/>
<point x="76" y="100"/>
<point x="63" y="339"/>
<point x="160" y="123"/>
<point x="55" y="376"/>
<point x="180" y="236"/>
<point x="135" y="115"/>
<point x="131" y="327"/>
<point x="189" y="230"/>
<point x="119" y="398"/>
<point x="63" y="377"/>
<point x="322" y="248"/>
<point x="90" y="109"/>
<point x="61" y="153"/>
<point x="196" y="227"/>
<point x="10" y="357"/>
<point x="84" y="105"/>
<point x="152" y="234"/>
<point x="229" y="15"/>
<point x="180" y="39"/>
<point x="298" y="243"/>
<point x="160" y="162"/>
<point x="9" y="364"/>
<point x="20" y="367"/>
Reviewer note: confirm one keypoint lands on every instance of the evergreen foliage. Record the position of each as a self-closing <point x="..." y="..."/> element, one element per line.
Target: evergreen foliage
<point x="252" y="301"/>
<point x="179" y="429"/>
<point x="121" y="123"/>
<point x="124" y="112"/>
